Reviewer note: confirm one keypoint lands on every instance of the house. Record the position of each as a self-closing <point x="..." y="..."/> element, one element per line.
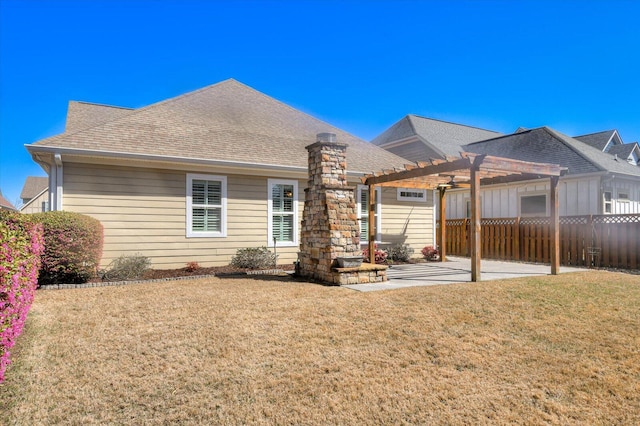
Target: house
<point x="610" y="142"/>
<point x="5" y="204"/>
<point x="603" y="176"/>
<point x="196" y="177"/>
<point x="35" y="195"/>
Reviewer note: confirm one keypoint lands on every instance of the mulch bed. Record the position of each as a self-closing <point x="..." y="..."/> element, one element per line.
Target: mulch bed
<point x="153" y="274"/>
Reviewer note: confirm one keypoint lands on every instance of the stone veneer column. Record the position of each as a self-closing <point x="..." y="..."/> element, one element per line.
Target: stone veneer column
<point x="330" y="225"/>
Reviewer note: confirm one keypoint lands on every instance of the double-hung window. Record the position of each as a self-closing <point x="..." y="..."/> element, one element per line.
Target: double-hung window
<point x="363" y="213"/>
<point x="283" y="212"/>
<point x="206" y="205"/>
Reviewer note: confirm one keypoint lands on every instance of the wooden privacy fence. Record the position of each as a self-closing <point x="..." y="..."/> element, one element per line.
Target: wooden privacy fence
<point x="600" y="241"/>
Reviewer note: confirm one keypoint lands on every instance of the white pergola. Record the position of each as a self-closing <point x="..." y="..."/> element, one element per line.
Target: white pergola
<point x="469" y="170"/>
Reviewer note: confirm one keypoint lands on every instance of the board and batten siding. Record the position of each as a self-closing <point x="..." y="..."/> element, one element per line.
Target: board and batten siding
<point x="619" y="186"/>
<point x="576" y="197"/>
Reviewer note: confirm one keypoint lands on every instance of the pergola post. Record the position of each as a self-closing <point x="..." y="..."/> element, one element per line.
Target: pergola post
<point x="475" y="224"/>
<point x="372" y="224"/>
<point x="442" y="231"/>
<point x="555" y="226"/>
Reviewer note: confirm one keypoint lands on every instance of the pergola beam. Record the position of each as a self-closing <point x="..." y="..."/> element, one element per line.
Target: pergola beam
<point x="437" y="174"/>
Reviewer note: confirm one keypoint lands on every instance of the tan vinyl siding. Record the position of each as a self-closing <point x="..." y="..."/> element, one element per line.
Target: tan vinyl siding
<point x="35" y="204"/>
<point x="144" y="211"/>
<point x="406" y="222"/>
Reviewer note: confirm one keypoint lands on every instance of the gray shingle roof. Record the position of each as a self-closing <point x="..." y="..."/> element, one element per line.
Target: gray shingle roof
<point x="227" y="121"/>
<point x="443" y="137"/>
<point x="82" y="115"/>
<point x="545" y="145"/>
<point x="622" y="151"/>
<point x="597" y="140"/>
<point x="33" y="186"/>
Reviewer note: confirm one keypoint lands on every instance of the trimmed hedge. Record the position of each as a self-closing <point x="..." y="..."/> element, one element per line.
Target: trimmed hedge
<point x="21" y="246"/>
<point x="73" y="247"/>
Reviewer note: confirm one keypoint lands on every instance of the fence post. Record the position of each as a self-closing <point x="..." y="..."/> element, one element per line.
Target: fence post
<point x="516" y="238"/>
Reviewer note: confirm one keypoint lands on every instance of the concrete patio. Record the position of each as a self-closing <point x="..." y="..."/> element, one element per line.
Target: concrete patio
<point x="455" y="270"/>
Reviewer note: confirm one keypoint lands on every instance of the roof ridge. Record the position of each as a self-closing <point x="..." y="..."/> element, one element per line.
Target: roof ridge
<point x="134" y="111"/>
<point x="503" y="136"/>
<point x="561" y="137"/>
<point x="103" y="105"/>
<point x="421" y="139"/>
<point x="594" y="133"/>
<point x="455" y="124"/>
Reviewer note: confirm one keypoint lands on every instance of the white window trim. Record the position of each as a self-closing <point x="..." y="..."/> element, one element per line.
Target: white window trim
<point x="533" y="194"/>
<point x="365" y="241"/>
<point x="270" y="184"/>
<point x="623" y="199"/>
<point x="200" y="234"/>
<point x="605" y="202"/>
<point x="401" y="197"/>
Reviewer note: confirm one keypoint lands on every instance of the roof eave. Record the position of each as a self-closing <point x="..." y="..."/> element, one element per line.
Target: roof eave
<point x="35" y="149"/>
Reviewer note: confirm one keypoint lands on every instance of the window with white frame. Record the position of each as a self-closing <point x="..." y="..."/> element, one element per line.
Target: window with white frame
<point x="533" y="205"/>
<point x="283" y="212"/>
<point x="363" y="213"/>
<point x="407" y="194"/>
<point x="623" y="197"/>
<point x="206" y="205"/>
<point x="608" y="206"/>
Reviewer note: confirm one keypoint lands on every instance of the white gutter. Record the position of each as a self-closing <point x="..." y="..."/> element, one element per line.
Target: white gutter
<point x="34" y="149"/>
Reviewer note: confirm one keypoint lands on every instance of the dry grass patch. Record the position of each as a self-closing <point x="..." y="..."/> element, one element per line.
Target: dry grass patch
<point x="559" y="350"/>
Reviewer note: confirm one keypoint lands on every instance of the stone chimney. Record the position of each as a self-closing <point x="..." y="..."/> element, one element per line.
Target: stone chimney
<point x="330" y="227"/>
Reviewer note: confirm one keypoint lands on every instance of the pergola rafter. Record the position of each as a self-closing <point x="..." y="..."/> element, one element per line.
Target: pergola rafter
<point x="469" y="170"/>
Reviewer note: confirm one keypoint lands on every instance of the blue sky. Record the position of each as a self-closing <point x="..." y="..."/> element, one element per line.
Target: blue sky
<point x="362" y="66"/>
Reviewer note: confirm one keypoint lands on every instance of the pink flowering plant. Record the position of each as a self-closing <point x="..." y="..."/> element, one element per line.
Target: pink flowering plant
<point x="380" y="256"/>
<point x="430" y="253"/>
<point x="21" y="245"/>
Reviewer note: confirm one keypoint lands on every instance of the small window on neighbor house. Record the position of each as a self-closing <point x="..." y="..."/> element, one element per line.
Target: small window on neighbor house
<point x="607" y="202"/>
<point x="406" y="194"/>
<point x="533" y="205"/>
<point x="206" y="205"/>
<point x="45" y="206"/>
<point x="623" y="197"/>
<point x="283" y="212"/>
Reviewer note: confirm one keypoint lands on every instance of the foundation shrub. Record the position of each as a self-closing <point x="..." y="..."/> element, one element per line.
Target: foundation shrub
<point x="73" y="247"/>
<point x="192" y="266"/>
<point x="253" y="258"/>
<point x="380" y="255"/>
<point x="400" y="253"/>
<point x="127" y="267"/>
<point x="430" y="253"/>
<point x="21" y="247"/>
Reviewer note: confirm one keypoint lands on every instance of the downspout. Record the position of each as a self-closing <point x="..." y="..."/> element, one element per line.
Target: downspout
<point x="56" y="184"/>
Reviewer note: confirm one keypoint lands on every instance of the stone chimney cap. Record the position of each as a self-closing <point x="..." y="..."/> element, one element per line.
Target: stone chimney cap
<point x="326" y="137"/>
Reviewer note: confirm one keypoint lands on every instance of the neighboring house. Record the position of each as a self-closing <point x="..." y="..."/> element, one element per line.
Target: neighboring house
<point x="5" y="204"/>
<point x="201" y="175"/>
<point x="35" y="195"/>
<point x="610" y="142"/>
<point x="422" y="139"/>
<point x="600" y="180"/>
